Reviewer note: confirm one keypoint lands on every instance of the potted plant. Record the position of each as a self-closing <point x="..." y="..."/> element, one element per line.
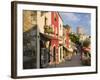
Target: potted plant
<point x="86" y="54"/>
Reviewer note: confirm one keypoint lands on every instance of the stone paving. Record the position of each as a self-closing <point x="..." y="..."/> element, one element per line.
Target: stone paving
<point x="74" y="62"/>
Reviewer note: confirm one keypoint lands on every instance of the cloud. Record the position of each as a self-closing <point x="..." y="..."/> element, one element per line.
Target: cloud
<point x="77" y="19"/>
<point x="70" y="16"/>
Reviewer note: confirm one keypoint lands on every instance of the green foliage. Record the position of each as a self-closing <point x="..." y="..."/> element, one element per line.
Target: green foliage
<point x="48" y="29"/>
<point x="86" y="43"/>
<point x="74" y="38"/>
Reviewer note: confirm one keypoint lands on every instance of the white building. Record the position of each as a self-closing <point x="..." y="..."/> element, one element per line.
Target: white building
<point x="43" y="18"/>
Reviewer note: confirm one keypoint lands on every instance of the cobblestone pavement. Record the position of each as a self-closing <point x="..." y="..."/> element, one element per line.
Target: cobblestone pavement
<point x="74" y="62"/>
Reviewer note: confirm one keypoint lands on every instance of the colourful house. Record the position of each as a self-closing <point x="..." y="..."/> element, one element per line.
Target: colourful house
<point x="67" y="42"/>
<point x="50" y="28"/>
<point x="55" y="40"/>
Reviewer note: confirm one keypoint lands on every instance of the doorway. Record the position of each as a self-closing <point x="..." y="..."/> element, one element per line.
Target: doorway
<point x="54" y="54"/>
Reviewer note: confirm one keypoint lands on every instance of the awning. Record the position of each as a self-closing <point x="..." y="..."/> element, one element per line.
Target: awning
<point x="47" y="36"/>
<point x="68" y="49"/>
<point x="64" y="47"/>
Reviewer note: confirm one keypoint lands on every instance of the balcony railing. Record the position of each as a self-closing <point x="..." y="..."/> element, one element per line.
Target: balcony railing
<point x="48" y="29"/>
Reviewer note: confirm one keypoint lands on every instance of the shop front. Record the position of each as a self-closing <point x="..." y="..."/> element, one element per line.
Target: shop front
<point x="44" y="50"/>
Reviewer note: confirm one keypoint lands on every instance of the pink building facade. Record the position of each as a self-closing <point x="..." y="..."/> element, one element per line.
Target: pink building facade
<point x="55" y="40"/>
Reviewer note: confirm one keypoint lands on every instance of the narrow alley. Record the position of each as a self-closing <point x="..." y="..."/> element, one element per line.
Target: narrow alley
<point x="74" y="62"/>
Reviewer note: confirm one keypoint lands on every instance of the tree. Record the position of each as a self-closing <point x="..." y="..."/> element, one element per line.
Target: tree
<point x="74" y="38"/>
<point x="86" y="43"/>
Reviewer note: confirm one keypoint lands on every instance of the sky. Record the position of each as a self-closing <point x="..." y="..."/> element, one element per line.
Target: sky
<point x="77" y="19"/>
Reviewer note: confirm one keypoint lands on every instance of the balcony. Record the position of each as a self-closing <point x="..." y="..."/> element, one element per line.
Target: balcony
<point x="48" y="29"/>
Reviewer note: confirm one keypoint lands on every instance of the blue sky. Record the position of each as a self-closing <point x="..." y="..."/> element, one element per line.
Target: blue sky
<point x="77" y="19"/>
